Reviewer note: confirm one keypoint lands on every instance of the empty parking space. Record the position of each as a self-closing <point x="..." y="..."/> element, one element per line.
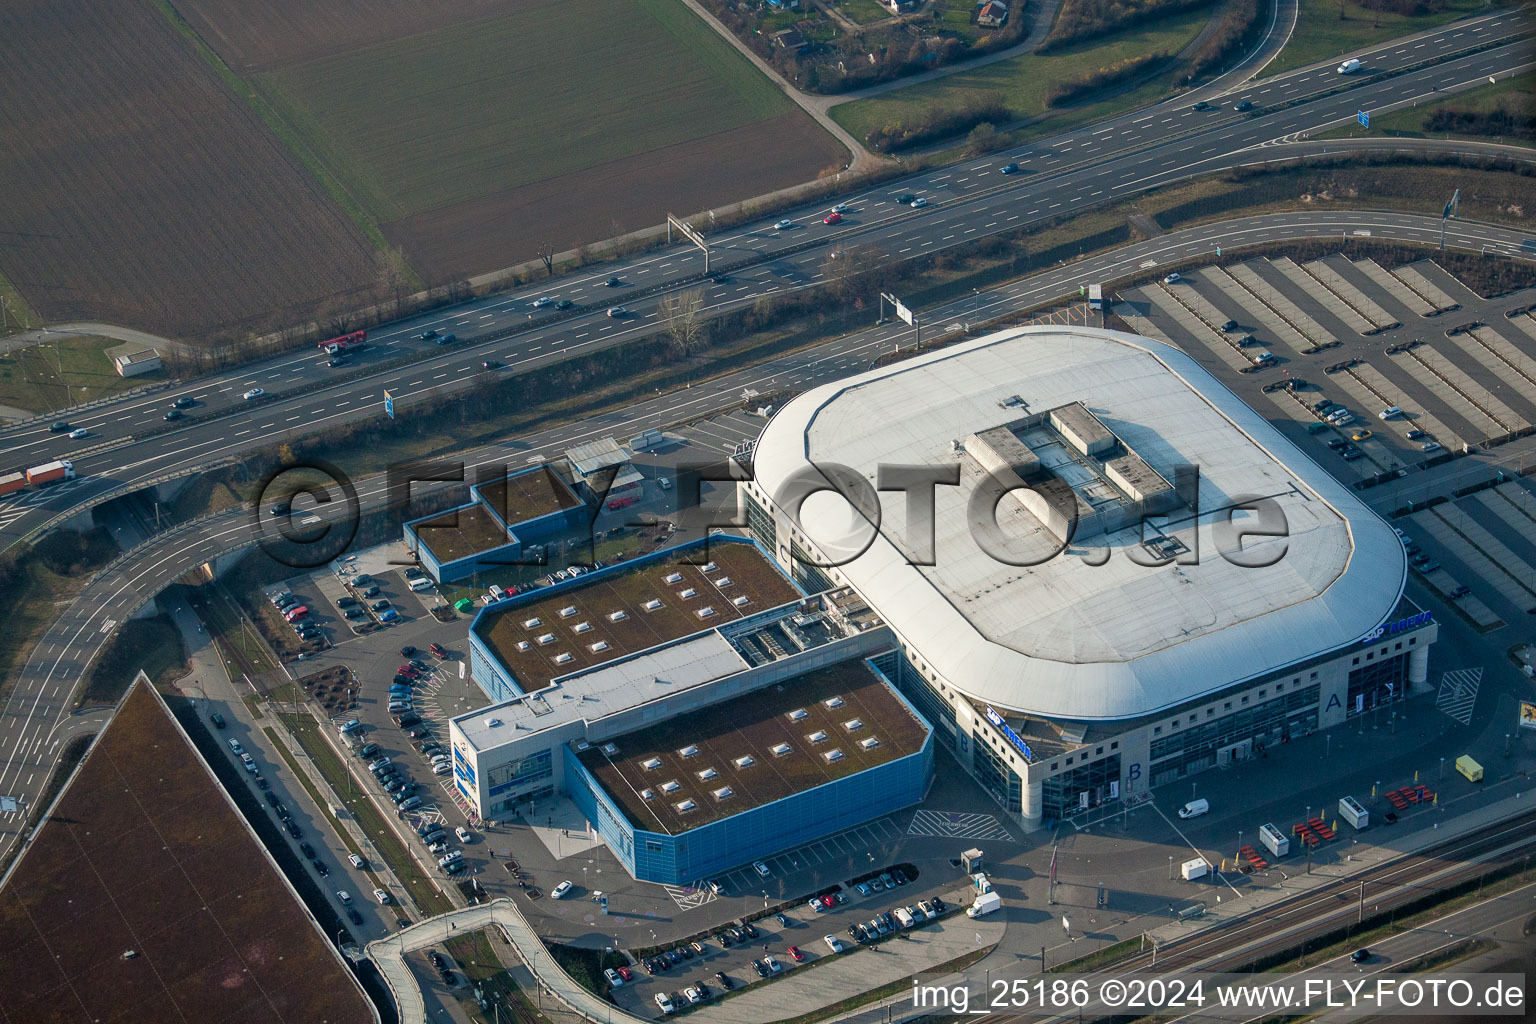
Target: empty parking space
<point x="1309" y="285"/>
<point x="1337" y="274"/>
<point x="1411" y="300"/>
<point x="1507" y="362"/>
<point x="1175" y="312"/>
<point x="1247" y="275"/>
<point x="1415" y="279"/>
<point x="1450" y="371"/>
<point x="1413" y="418"/>
<point x="1481" y="423"/>
<point x="1523" y="323"/>
<point x="1251" y="310"/>
<point x="1488" y="557"/>
<point x="843" y="847"/>
<point x="1136" y="316"/>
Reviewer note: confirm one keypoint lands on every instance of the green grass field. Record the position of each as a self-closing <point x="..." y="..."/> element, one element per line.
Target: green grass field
<point x="863" y="11"/>
<point x="30" y="377"/>
<point x="15" y="314"/>
<point x="1517" y="93"/>
<point x="477" y="108"/>
<point x="1321" y="34"/>
<point x="1024" y="81"/>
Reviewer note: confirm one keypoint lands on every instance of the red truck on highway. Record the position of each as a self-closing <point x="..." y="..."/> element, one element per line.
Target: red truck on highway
<point x="37" y="476"/>
<point x="345" y="343"/>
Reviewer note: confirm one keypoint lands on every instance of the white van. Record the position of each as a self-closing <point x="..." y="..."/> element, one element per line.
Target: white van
<point x="1390" y="412"/>
<point x="422" y="584"/>
<point x="1350" y="66"/>
<point x="1194" y="808"/>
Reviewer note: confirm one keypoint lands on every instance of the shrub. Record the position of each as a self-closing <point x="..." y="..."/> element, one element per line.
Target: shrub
<point x="1087" y="82"/>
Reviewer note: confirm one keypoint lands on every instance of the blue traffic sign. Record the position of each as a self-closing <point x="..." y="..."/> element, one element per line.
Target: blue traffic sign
<point x="389" y="405"/>
<point x="1364" y="118"/>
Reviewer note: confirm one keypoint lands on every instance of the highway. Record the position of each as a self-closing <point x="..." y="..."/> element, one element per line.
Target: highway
<point x="131" y="444"/>
<point x="38" y="708"/>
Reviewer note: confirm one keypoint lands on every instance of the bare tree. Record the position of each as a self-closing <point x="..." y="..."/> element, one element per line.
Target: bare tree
<point x="844" y="267"/>
<point x="547" y="254"/>
<point x="682" y="314"/>
<point x="394" y="275"/>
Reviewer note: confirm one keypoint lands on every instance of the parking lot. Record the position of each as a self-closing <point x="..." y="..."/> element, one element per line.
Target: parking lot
<point x="1399" y="376"/>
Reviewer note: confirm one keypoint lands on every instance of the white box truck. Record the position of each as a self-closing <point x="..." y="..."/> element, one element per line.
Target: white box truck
<point x="985" y="904"/>
<point x="1275" y="841"/>
<point x="1354" y="812"/>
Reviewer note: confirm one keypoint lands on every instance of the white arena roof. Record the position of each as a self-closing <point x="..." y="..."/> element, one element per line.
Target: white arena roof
<point x="1066" y="638"/>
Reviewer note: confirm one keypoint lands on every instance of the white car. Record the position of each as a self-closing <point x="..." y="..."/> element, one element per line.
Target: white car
<point x="833" y="943"/>
<point x="78" y="433"/>
<point x="783" y="224"/>
<point x="381" y="895"/>
<point x="1430" y="446"/>
<point x="919" y="203"/>
<point x="693" y="995"/>
<point x="357" y="861"/>
<point x="463" y="833"/>
<point x="442" y="768"/>
<point x="617" y="311"/>
<point x="613" y="977"/>
<point x="840" y="208"/>
<point x="560" y="891"/>
<point x="760" y="868"/>
<point x="774" y="967"/>
<point x="253" y="393"/>
<point x="542" y="301"/>
<point x="1350" y="66"/>
<point x="344" y="896"/>
<point x="1172" y="279"/>
<point x="664" y="1002"/>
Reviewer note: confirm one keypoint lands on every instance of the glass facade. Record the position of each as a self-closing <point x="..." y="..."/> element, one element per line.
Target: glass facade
<point x="1376" y="684"/>
<point x="1194" y="748"/>
<point x="520" y="773"/>
<point x="760" y="523"/>
<point x="803" y="569"/>
<point x="994" y="773"/>
<point x="1079" y="789"/>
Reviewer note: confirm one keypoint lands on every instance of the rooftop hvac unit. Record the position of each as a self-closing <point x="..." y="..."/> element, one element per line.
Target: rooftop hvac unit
<point x="669" y="787"/>
<point x="723" y="581"/>
<point x="610" y="749"/>
<point x="646" y="794"/>
<point x="853" y="725"/>
<point x="524" y="645"/>
<point x="562" y="658"/>
<point x="601" y="645"/>
<point x="546" y="638"/>
<point x="705" y="612"/>
<point x="582" y="627"/>
<point x="709" y="567"/>
<point x="817" y="737"/>
<point x="491" y="723"/>
<point x="740" y="600"/>
<point x="689" y="592"/>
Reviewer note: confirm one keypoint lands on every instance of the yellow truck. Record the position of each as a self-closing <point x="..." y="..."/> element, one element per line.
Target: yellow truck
<point x="1470" y="768"/>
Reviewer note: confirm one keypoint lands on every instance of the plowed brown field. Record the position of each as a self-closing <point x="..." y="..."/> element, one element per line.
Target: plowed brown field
<point x="136" y="188"/>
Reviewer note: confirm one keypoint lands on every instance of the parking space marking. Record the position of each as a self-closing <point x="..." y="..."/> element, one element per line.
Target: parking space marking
<point x="1458" y="693"/>
<point x="957" y="825"/>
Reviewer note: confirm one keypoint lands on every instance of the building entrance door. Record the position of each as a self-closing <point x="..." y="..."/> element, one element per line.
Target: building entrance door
<point x="1234" y="752"/>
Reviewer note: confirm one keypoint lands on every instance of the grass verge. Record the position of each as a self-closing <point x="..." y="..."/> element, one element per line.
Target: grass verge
<point x="1327" y="28"/>
<point x="1515" y="94"/>
<point x="476" y="959"/>
<point x="1023" y="83"/>
<point x="152" y="644"/>
<point x="368" y="815"/>
<point x="19" y="314"/>
<point x="67" y="371"/>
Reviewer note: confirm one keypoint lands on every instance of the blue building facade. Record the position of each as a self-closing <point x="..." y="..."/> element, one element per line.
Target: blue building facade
<point x="758" y="832"/>
<point x="520" y="535"/>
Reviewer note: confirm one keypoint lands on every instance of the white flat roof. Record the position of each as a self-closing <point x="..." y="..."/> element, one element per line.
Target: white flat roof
<point x="1065" y="638"/>
<point x="605" y="690"/>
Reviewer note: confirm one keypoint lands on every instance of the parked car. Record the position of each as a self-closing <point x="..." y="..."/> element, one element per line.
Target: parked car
<point x="559" y="892"/>
<point x="357" y="861"/>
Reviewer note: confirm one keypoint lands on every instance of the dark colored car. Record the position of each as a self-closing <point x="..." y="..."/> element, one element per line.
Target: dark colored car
<point x="1203" y="105"/>
<point x="901" y="879"/>
<point x="368" y="750"/>
<point x="293" y="828"/>
<point x="407" y="650"/>
<point x="184" y="402"/>
<point x="320" y="868"/>
<point x="1010" y="168"/>
<point x="724" y="980"/>
<point x="749" y="929"/>
<point x="1230" y="325"/>
<point x="217" y="720"/>
<point x="381" y="604"/>
<point x="173" y="414"/>
<point x="447" y="339"/>
<point x="408" y="719"/>
<point x="565" y="304"/>
<point x="906" y="197"/>
<point x="1359" y="956"/>
<point x="760" y="968"/>
<point x="59" y="427"/>
<point x="938" y="904"/>
<point x="336" y="361"/>
<point x="1417" y="435"/>
<point x="354" y="916"/>
<point x="371" y="591"/>
<point x="428" y="334"/>
<point x="281" y="509"/>
<point x="613" y="282"/>
<point x="1243" y="105"/>
<point x="307" y="850"/>
<point x="438" y="650"/>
